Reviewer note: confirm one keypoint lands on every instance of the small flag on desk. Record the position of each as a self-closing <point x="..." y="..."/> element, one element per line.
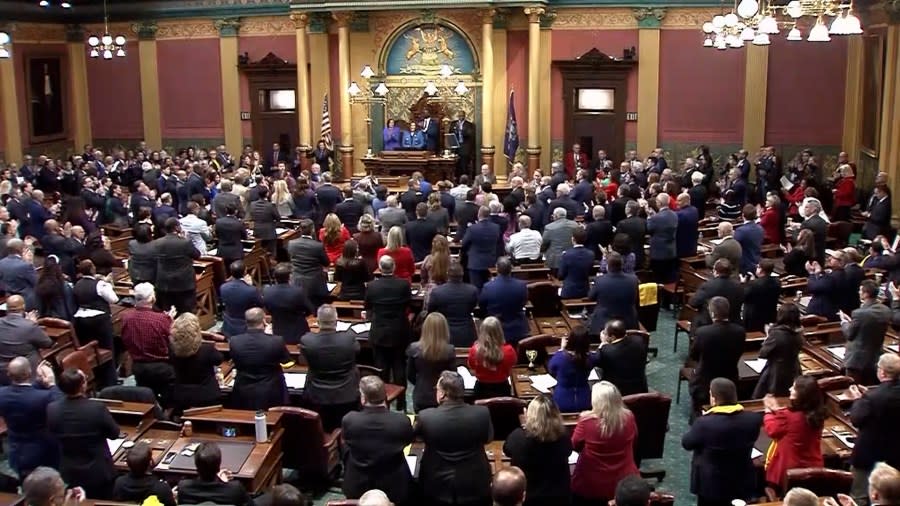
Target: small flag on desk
<point x="326" y="125"/>
<point x="511" y="139"/>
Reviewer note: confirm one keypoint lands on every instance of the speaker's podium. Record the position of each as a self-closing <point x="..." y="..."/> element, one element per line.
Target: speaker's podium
<point x="404" y="163"/>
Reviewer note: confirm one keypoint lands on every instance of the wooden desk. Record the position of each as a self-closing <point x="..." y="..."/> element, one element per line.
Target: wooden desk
<point x="809" y="364"/>
<point x="204" y="272"/>
<point x="493" y="450"/>
<point x="393" y="163"/>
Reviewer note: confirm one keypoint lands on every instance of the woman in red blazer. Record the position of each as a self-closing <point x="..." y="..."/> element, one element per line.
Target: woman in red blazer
<point x="604" y="438"/>
<point x="491" y="359"/>
<point x="796" y="431"/>
<point x="333" y="235"/>
<point x="770" y="220"/>
<point x="794" y="198"/>
<point x="404" y="264"/>
<point x="844" y="193"/>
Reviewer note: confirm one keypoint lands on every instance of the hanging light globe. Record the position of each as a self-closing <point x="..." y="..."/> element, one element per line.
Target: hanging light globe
<point x="819" y="32"/>
<point x="731" y="19"/>
<point x="747" y="34"/>
<point x="768" y="25"/>
<point x="794" y="34"/>
<point x="747" y="8"/>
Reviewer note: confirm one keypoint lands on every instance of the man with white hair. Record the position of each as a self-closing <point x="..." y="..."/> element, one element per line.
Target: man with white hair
<point x="728" y="247"/>
<point x="812" y="210"/>
<point x="145" y="333"/>
<point x="485" y="176"/>
<point x="557" y="237"/>
<point x="524" y="245"/>
<point x="387" y="302"/>
<point x="392" y="215"/>
<point x="563" y="200"/>
<point x="600" y="231"/>
<point x="698" y="191"/>
<point x="557" y="175"/>
<point x="374" y="497"/>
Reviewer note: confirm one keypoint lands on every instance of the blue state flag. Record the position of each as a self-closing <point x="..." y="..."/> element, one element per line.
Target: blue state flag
<point x="511" y="138"/>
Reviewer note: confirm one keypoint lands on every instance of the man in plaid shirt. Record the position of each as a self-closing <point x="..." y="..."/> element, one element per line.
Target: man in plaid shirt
<point x="145" y="333"/>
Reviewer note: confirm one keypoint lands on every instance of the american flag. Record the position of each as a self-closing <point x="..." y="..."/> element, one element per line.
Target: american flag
<point x="326" y="125"/>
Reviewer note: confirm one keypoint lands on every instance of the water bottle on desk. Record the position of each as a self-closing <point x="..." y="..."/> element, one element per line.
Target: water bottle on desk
<point x="260" y="425"/>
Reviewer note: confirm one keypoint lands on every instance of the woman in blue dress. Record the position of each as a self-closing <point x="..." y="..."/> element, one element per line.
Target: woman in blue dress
<point x="571" y="368"/>
<point x="391" y="136"/>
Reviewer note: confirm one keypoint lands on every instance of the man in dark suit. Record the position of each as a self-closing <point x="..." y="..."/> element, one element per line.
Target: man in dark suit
<point x="456" y="300"/>
<point x="635" y="228"/>
<point x="505" y="297"/>
<point x="420" y="232"/>
<point x="387" y="301"/>
<point x="599" y="231"/>
<point x="662" y="227"/>
<point x="163" y="212"/>
<point x="431" y="129"/>
<point x="698" y="193"/>
<point x="454" y="469"/>
<point x="276" y="155"/>
<point x="575" y="267"/>
<point x="37" y="215"/>
<point x="563" y="200"/>
<point x="722" y="284"/>
<point x="876" y="415"/>
<point x="817" y="225"/>
<point x="622" y="358"/>
<point x="536" y="210"/>
<point x="716" y="349"/>
<point x="238" y="294"/>
<point x="288" y="306"/>
<point x="18" y="276"/>
<point x="479" y="245"/>
<point x="82" y="426"/>
<point x="265" y="219"/>
<point x="258" y="356"/>
<point x="327" y="197"/>
<point x="464" y="130"/>
<point x="878" y="214"/>
<point x="750" y="236"/>
<point x="308" y="259"/>
<point x="230" y="231"/>
<point x="332" y="378"/>
<point x="410" y="199"/>
<point x="349" y="211"/>
<point x="466" y="214"/>
<point x="20" y="335"/>
<point x="688" y="230"/>
<point x="558" y="176"/>
<point x="864" y="330"/>
<point x="211" y="484"/>
<point x="722" y="441"/>
<point x="374" y="439"/>
<point x="175" y="282"/>
<point x="761" y="298"/>
<point x="226" y="198"/>
<point x="59" y="241"/>
<point x="826" y="287"/>
<point x="617" y="207"/>
<point x="583" y="193"/>
<point x="23" y="406"/>
<point x="616" y="295"/>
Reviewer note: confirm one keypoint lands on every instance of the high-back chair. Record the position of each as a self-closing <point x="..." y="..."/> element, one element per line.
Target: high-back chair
<point x="651" y="413"/>
<point x="308" y="449"/>
<point x="505" y="413"/>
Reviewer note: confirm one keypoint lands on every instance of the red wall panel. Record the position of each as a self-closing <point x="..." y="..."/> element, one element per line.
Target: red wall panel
<point x="190" y="88"/>
<point x="283" y="46"/>
<point x="114" y="92"/>
<point x="517" y="77"/>
<point x="21" y="54"/>
<point x="570" y="44"/>
<point x="701" y="90"/>
<point x="805" y="103"/>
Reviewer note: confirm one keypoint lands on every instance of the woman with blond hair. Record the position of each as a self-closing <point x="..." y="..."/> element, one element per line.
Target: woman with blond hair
<point x="436" y="265"/>
<point x="541" y="449"/>
<point x="369" y="241"/>
<point x="604" y="438"/>
<point x="333" y="235"/>
<point x="427" y="358"/>
<point x="194" y="363"/>
<point x="404" y="265"/>
<point x="437" y="215"/>
<point x="282" y="199"/>
<point x="491" y="359"/>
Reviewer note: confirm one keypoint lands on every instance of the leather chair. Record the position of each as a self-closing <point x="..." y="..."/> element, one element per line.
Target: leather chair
<point x="208" y="335"/>
<point x="133" y="394"/>
<point x="651" y="413"/>
<point x="544" y="299"/>
<point x="835" y="383"/>
<point x="819" y="480"/>
<point x="841" y="231"/>
<point x="505" y="413"/>
<point x="683" y="323"/>
<point x="812" y="320"/>
<point x="85" y="359"/>
<point x="102" y="355"/>
<point x="308" y="449"/>
<point x="645" y="336"/>
<point x="656" y="499"/>
<point x="539" y="343"/>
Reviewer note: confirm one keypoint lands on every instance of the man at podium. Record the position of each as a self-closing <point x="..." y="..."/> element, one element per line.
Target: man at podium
<point x="414" y="139"/>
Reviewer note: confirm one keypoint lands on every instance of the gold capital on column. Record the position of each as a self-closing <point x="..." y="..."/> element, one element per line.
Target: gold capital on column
<point x="534" y="13"/>
<point x="342" y="19"/>
<point x="301" y="20"/>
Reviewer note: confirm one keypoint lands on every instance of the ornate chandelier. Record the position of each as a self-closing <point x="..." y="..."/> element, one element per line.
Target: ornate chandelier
<point x="443" y="89"/>
<point x="755" y="20"/>
<point x="106" y="45"/>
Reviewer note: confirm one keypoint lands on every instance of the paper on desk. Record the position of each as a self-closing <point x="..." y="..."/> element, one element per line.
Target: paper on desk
<point x="114" y="444"/>
<point x="359" y="328"/>
<point x="756" y="364"/>
<point x="3" y="307"/>
<point x="593" y="376"/>
<point x="716" y="241"/>
<point x="894" y="347"/>
<point x="295" y="380"/>
<point x="837" y="351"/>
<point x="754" y="453"/>
<point x="212" y="252"/>
<point x="468" y="379"/>
<point x="330" y="286"/>
<point x="342" y="326"/>
<point x="543" y="382"/>
<point x="804" y="301"/>
<point x="573" y="457"/>
<point x="414" y="292"/>
<point x="279" y="230"/>
<point x="843" y="438"/>
<point x="411" y="462"/>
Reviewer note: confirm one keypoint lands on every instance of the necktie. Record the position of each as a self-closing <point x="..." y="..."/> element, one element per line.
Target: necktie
<point x="459" y="132"/>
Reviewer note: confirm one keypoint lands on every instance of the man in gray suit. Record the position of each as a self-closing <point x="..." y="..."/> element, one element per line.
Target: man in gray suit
<point x="727" y="248"/>
<point x="225" y="197"/>
<point x="308" y="258"/>
<point x="557" y="237"/>
<point x="17" y="274"/>
<point x="864" y="330"/>
<point x="392" y="215"/>
<point x="20" y="336"/>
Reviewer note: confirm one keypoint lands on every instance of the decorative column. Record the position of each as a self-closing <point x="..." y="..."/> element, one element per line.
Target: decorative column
<point x="534" y="73"/>
<point x="9" y="104"/>
<point x="545" y="65"/>
<point x="756" y="78"/>
<point x="853" y="97"/>
<point x="501" y="95"/>
<point x="487" y="90"/>
<point x="346" y="147"/>
<point x="317" y="30"/>
<point x="146" y="32"/>
<point x="649" y="19"/>
<point x="231" y="88"/>
<point x="888" y="149"/>
<point x="301" y="20"/>
<point x="80" y="101"/>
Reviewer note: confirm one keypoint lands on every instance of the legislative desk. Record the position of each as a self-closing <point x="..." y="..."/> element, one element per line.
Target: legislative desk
<point x="393" y="163"/>
<point x="750" y="366"/>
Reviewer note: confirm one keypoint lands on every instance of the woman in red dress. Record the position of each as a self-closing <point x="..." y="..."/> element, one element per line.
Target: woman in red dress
<point x="333" y="235"/>
<point x="796" y="431"/>
<point x="604" y="438"/>
<point x="404" y="263"/>
<point x="844" y="193"/>
<point x="770" y="220"/>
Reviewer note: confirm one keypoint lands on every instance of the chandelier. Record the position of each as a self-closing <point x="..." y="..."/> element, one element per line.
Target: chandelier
<point x="106" y="45"/>
<point x="64" y="4"/>
<point x="4" y="41"/>
<point x="443" y="89"/>
<point x="368" y="96"/>
<point x="755" y="21"/>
